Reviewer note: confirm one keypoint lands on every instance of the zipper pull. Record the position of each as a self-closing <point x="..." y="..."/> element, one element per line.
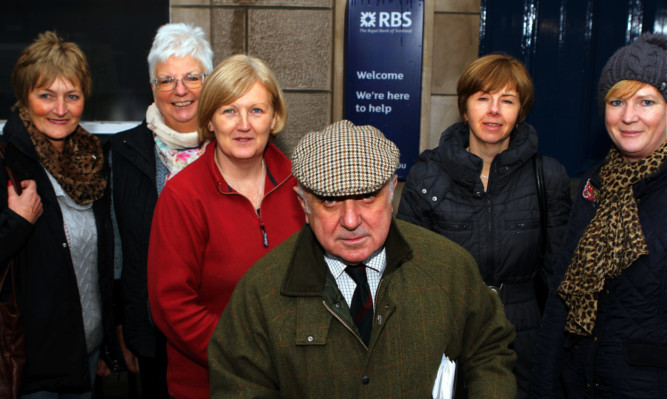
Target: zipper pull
<point x="266" y="237"/>
<point x="261" y="226"/>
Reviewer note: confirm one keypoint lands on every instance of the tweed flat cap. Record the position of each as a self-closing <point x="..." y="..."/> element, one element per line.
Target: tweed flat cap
<point x="344" y="160"/>
<point x="644" y="60"/>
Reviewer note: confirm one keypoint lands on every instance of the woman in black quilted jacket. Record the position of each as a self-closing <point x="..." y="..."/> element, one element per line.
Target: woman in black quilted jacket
<point x="604" y="334"/>
<point x="478" y="188"/>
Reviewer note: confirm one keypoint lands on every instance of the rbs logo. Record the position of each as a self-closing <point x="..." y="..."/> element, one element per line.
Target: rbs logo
<point x="386" y="19"/>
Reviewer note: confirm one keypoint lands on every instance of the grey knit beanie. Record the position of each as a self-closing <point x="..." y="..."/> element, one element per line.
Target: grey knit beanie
<point x="645" y="60"/>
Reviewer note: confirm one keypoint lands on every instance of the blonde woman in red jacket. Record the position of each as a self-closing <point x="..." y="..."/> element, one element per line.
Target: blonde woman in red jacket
<point x="219" y="215"/>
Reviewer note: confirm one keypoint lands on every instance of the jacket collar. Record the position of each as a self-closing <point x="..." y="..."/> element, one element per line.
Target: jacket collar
<point x="278" y="166"/>
<point x="652" y="182"/>
<point x="16" y="135"/>
<point x="464" y="168"/>
<point x="647" y="184"/>
<point x="138" y="147"/>
<point x="307" y="271"/>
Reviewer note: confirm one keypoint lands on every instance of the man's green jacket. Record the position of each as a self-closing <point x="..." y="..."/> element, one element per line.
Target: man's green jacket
<point x="287" y="331"/>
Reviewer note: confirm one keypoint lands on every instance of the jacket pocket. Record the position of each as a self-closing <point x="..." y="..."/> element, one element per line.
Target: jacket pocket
<point x="449" y="226"/>
<point x="519" y="225"/>
<point x="651" y="354"/>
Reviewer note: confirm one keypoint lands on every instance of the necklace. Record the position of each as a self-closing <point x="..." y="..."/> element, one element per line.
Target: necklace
<point x="482" y="175"/>
<point x="260" y="183"/>
<point x="260" y="189"/>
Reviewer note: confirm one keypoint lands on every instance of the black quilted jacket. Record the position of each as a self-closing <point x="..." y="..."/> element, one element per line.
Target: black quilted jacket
<point x="627" y="355"/>
<point x="499" y="227"/>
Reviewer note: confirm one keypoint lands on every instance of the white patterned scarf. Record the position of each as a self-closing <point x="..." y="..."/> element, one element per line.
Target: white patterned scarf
<point x="176" y="150"/>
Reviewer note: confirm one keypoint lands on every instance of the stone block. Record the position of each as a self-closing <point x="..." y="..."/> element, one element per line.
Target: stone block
<point x="200" y="16"/>
<point x="274" y="3"/>
<point x="458" y="6"/>
<point x="227" y="32"/>
<point x="296" y="44"/>
<point x="455" y="45"/>
<point x="444" y="113"/>
<point x="307" y="112"/>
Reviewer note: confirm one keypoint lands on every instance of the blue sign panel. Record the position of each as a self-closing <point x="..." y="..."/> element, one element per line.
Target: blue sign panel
<point x="383" y="71"/>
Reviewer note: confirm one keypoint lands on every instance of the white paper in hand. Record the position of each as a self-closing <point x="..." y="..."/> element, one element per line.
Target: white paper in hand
<point x="445" y="382"/>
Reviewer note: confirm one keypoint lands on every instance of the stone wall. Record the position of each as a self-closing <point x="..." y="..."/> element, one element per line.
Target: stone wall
<point x="455" y="44"/>
<point x="302" y="41"/>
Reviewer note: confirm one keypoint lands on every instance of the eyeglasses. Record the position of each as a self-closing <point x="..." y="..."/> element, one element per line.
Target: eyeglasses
<point x="191" y="81"/>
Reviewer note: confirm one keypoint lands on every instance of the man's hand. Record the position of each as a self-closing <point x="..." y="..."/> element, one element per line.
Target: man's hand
<point x="28" y="205"/>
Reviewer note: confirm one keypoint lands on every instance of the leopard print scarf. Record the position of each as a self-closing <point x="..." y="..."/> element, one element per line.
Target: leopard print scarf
<point x="612" y="241"/>
<point x="78" y="168"/>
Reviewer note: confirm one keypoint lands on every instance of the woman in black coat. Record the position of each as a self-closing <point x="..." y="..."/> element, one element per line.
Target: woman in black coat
<point x="144" y="158"/>
<point x="478" y="188"/>
<point x="63" y="259"/>
<point x="603" y="333"/>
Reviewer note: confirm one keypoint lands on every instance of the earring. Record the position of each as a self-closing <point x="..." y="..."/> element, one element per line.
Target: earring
<point x="210" y="126"/>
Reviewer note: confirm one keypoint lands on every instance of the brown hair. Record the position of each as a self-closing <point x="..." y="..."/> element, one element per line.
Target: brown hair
<point x="229" y="81"/>
<point x="48" y="58"/>
<point x="494" y="72"/>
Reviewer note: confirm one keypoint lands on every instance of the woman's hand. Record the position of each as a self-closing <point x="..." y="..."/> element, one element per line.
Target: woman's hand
<point x="102" y="369"/>
<point x="131" y="361"/>
<point x="28" y="205"/>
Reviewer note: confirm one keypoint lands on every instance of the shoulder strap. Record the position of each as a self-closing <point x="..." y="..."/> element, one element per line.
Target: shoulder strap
<point x="8" y="270"/>
<point x="10" y="173"/>
<point x="542" y="201"/>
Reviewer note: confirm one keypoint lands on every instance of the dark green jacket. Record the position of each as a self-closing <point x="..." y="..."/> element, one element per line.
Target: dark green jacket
<point x="287" y="331"/>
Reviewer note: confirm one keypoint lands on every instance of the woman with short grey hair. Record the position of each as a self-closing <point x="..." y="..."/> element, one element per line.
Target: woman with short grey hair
<point x="144" y="159"/>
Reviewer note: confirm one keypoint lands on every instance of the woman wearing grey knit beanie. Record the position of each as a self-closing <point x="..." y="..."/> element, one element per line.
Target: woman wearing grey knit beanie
<point x="603" y="333"/>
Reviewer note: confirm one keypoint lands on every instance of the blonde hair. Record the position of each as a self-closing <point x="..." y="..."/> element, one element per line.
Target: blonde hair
<point x="229" y="81"/>
<point x="48" y="58"/>
<point x="624" y="89"/>
<point x="494" y="72"/>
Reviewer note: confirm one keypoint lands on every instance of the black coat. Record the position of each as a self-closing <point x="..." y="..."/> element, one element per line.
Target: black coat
<point x="48" y="296"/>
<point x="499" y="227"/>
<point x="135" y="195"/>
<point x="626" y="357"/>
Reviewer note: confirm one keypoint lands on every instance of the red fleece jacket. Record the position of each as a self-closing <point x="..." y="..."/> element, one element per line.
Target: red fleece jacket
<point x="203" y="239"/>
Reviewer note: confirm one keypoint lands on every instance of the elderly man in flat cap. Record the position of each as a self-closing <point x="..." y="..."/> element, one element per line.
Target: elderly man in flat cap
<point x="357" y="304"/>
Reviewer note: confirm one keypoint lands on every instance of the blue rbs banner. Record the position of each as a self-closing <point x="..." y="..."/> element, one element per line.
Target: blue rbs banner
<point x="383" y="68"/>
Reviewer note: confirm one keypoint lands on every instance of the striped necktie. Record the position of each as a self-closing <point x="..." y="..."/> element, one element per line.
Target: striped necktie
<point x="361" y="308"/>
